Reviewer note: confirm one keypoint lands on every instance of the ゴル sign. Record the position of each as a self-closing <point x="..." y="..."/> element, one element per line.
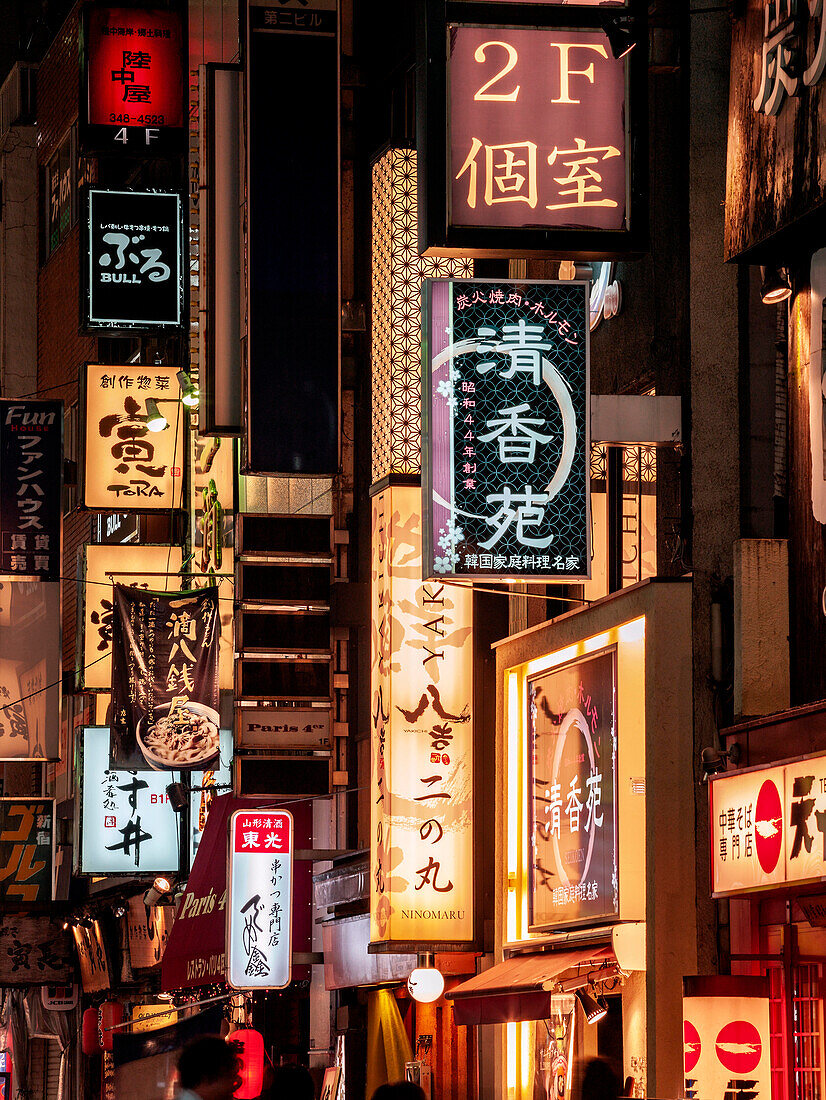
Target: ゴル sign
<point x="133" y="267"/>
<point x="133" y="77"/>
<point x="259" y="904"/>
<point x="768" y="826"/>
<point x="507" y="433"/>
<point x="26" y="849"/>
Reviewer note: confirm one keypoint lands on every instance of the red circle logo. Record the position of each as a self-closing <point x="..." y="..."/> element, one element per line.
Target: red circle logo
<point x="691" y="1045"/>
<point x="739" y="1047"/>
<point x="768" y="826"/>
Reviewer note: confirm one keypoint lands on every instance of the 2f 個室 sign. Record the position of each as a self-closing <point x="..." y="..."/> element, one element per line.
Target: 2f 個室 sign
<point x="259" y="932"/>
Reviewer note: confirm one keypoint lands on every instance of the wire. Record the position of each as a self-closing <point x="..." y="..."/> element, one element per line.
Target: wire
<point x="510" y="591"/>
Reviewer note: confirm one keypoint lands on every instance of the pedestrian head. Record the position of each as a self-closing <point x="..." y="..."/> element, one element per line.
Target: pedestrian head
<point x="599" y="1082"/>
<point x="208" y="1066"/>
<point x="292" y="1082"/>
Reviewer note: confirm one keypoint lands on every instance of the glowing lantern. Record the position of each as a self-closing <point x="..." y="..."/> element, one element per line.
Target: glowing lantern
<point x="91" y="1035"/>
<point x="250" y="1045"/>
<point x="111" y="1013"/>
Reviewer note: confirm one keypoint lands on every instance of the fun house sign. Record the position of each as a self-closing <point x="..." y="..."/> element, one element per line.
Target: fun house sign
<point x="508" y="435"/>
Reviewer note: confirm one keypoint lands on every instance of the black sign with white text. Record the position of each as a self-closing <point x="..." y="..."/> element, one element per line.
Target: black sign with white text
<point x="133" y="264"/>
<point x="31" y="478"/>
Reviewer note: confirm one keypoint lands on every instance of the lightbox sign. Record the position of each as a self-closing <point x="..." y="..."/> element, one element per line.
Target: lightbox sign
<point x="125" y="465"/>
<point x="572" y="726"/>
<point x="507" y="433"/>
<point x="134" y="277"/>
<point x="31" y="485"/>
<point x="127" y="825"/>
<point x="259" y="925"/>
<point x="768" y="826"/>
<point x="133" y="63"/>
<point x="421" y="688"/>
<point x="26" y="849"/>
<point x="726" y="1037"/>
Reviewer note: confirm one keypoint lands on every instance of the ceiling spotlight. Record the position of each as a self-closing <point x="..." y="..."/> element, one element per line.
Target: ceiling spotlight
<point x="159" y="889"/>
<point x="190" y="394"/>
<point x="155" y="419"/>
<point x="66" y="926"/>
<point x="593" y="1007"/>
<point x="620" y="39"/>
<point x="119" y="911"/>
<point x="426" y="983"/>
<point x="774" y="284"/>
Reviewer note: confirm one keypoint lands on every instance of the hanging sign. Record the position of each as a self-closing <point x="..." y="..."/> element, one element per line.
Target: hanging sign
<point x="508" y="434"/>
<point x="125" y="465"/>
<point x="31" y="487"/>
<point x="34" y="949"/>
<point x="58" y="998"/>
<point x="259" y="932"/>
<point x="133" y="266"/>
<point x="421" y="688"/>
<point x="127" y="825"/>
<point x="165" y="678"/>
<point x="726" y="1037"/>
<point x="148" y="928"/>
<point x="92" y="958"/>
<point x="30" y="669"/>
<point x="133" y="73"/>
<point x="572" y="757"/>
<point x="26" y="849"/>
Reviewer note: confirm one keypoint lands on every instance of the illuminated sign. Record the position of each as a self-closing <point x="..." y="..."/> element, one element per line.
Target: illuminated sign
<point x="768" y="826"/>
<point x="125" y="465"/>
<point x="572" y="727"/>
<point x="30" y="669"/>
<point x="259" y="924"/>
<point x="534" y="150"/>
<point x="127" y="825"/>
<point x="726" y="1037"/>
<point x="26" y="849"/>
<point x="201" y="800"/>
<point x="421" y="687"/>
<point x="148" y="928"/>
<point x="133" y="60"/>
<point x="140" y="566"/>
<point x="284" y="728"/>
<point x="133" y="272"/>
<point x="507" y="438"/>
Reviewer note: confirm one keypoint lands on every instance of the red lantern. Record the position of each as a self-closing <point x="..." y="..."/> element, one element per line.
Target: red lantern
<point x="91" y="1035"/>
<point x="111" y="1013"/>
<point x="250" y="1045"/>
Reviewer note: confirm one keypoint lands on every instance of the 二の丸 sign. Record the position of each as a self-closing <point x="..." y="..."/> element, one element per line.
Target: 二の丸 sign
<point x="506" y="441"/>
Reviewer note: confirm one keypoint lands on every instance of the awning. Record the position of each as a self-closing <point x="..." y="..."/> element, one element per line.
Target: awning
<point x="518" y="988"/>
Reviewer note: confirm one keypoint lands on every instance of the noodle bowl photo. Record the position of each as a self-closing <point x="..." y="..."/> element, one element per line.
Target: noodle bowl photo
<point x="184" y="735"/>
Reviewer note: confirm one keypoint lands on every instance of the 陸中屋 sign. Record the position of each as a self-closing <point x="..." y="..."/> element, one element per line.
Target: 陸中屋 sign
<point x="259" y="932"/>
<point x="506" y="445"/>
<point x="133" y="264"/>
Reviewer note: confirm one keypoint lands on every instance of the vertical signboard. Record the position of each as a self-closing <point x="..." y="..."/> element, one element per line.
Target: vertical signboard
<point x="26" y="849"/>
<point x="572" y="726"/>
<point x="294" y="304"/>
<point x="507" y="445"/>
<point x="133" y="262"/>
<point x="421" y="882"/>
<point x="92" y="958"/>
<point x="31" y="486"/>
<point x="259" y="932"/>
<point x="132" y="96"/>
<point x="726" y="1037"/>
<point x="204" y="787"/>
<point x="30" y="669"/>
<point x="148" y="928"/>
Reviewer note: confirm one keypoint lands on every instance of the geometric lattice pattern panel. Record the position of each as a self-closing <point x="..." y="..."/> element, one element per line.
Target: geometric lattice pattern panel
<point x="396" y="309"/>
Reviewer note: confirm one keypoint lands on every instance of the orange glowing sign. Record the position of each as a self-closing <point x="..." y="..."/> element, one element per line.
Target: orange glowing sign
<point x="726" y="1037"/>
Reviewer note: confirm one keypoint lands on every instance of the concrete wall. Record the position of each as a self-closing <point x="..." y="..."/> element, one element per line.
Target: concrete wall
<point x="761" y="626"/>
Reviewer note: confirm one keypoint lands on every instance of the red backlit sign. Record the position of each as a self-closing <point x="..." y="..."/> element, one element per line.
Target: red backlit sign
<point x="134" y="75"/>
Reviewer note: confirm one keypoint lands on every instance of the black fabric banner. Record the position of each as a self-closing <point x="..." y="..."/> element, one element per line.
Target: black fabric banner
<point x="164" y="678"/>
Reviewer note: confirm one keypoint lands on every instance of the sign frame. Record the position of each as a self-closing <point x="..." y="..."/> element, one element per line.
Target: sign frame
<point x="14" y="905"/>
<point x="438" y="236"/>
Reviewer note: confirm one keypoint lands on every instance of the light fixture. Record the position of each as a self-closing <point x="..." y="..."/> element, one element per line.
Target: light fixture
<point x="426" y="983"/>
<point x="177" y="795"/>
<point x="774" y="284"/>
<point x="155" y="419"/>
<point x="159" y="888"/>
<point x="66" y="926"/>
<point x="190" y="393"/>
<point x="593" y="1007"/>
<point x="119" y="911"/>
<point x="620" y="39"/>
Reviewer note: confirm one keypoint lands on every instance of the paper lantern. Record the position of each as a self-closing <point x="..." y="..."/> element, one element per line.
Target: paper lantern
<point x="91" y="1035"/>
<point x="250" y="1046"/>
<point x="111" y="1013"/>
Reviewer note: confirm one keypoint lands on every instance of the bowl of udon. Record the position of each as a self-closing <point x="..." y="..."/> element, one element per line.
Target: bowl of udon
<point x="183" y="735"/>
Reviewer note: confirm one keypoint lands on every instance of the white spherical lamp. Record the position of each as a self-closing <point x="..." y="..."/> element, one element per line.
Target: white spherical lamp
<point x="426" y="984"/>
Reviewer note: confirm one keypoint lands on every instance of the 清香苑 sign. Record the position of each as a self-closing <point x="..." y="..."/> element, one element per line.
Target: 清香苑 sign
<point x="573" y="757"/>
<point x="506" y="446"/>
<point x="133" y="264"/>
<point x="259" y="932"/>
<point x="26" y="848"/>
<point x="125" y="465"/>
<point x="31" y="485"/>
<point x="768" y="826"/>
<point x="30" y="669"/>
<point x="127" y="825"/>
<point x="165" y="679"/>
<point x="421" y="690"/>
<point x="134" y="79"/>
<point x="726" y="1037"/>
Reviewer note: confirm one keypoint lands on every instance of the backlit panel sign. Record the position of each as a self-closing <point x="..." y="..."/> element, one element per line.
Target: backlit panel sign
<point x="726" y="1037"/>
<point x="507" y="442"/>
<point x="31" y="486"/>
<point x="259" y="925"/>
<point x="421" y="686"/>
<point x="26" y="849"/>
<point x="133" y="269"/>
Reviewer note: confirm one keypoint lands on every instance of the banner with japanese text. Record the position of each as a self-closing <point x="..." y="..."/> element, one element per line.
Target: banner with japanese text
<point x="125" y="465"/>
<point x="31" y="487"/>
<point x="148" y="928"/>
<point x="34" y="949"/>
<point x="92" y="957"/>
<point x="507" y="438"/>
<point x="26" y="850"/>
<point x="165" y="679"/>
<point x="421" y="687"/>
<point x="572" y="755"/>
<point x="30" y="669"/>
